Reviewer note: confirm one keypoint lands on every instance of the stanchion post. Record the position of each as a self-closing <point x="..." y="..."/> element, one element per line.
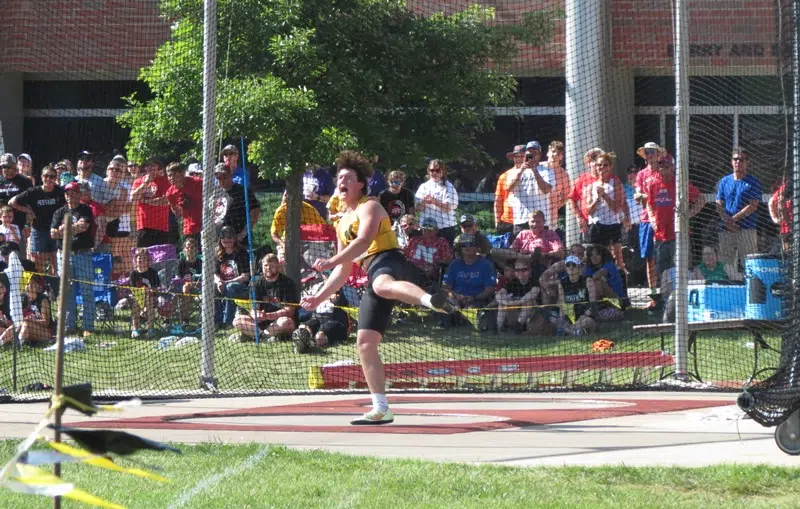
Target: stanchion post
<point x="58" y="382"/>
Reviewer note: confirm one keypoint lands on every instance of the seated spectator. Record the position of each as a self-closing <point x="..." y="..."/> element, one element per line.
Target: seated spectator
<point x="144" y="283"/>
<point x="577" y="291"/>
<point x="471" y="279"/>
<point x="308" y="215"/>
<point x="712" y="269"/>
<point x="535" y="238"/>
<point x="232" y="275"/>
<point x="406" y="229"/>
<point x="429" y="251"/>
<point x="6" y="326"/>
<point x="548" y="281"/>
<point x="275" y="313"/>
<point x="516" y="298"/>
<point x="37" y="321"/>
<point x="190" y="271"/>
<point x="468" y="225"/>
<point x="397" y="200"/>
<point x="328" y="326"/>
<point x="606" y="275"/>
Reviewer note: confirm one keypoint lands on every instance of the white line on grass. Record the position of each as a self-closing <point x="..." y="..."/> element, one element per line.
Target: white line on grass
<point x="212" y="480"/>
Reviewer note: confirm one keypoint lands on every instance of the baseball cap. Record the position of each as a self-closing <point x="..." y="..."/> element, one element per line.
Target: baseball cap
<point x="85" y="154"/>
<point x="194" y="169"/>
<point x="8" y="160"/>
<point x="230" y="149"/>
<point x="573" y="259"/>
<point x="24" y="156"/>
<point x="429" y="222"/>
<point x="73" y="186"/>
<point x="227" y="231"/>
<point x="220" y="168"/>
<point x="533" y="145"/>
<point x="159" y="160"/>
<point x="465" y="239"/>
<point x="119" y="158"/>
<point x="518" y="149"/>
<point x="467" y="218"/>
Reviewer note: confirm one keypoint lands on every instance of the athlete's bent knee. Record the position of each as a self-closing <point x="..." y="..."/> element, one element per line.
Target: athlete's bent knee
<point x="382" y="285"/>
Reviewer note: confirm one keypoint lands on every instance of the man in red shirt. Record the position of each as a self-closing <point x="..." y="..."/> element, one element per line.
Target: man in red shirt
<point x="429" y="252"/>
<point x="185" y="197"/>
<point x="152" y="209"/>
<point x="660" y="196"/>
<point x="576" y="201"/>
<point x="650" y="152"/>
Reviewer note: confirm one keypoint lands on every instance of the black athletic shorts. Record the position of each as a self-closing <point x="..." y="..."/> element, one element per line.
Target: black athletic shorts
<point x="605" y="234"/>
<point x="375" y="313"/>
<point x="147" y="237"/>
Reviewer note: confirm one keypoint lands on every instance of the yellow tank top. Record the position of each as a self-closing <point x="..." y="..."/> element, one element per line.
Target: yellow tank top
<point x="384" y="240"/>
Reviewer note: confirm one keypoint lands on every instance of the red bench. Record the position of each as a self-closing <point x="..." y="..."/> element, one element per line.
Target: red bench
<point x="492" y="371"/>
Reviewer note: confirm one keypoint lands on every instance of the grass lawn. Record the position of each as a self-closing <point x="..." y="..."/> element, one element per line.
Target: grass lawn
<point x="255" y="476"/>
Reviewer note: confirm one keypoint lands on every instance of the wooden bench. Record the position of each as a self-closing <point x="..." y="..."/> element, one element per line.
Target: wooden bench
<point x="755" y="327"/>
<point x="466" y="373"/>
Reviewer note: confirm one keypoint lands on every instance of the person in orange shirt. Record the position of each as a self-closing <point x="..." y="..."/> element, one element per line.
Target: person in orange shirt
<point x="503" y="215"/>
<point x="561" y="185"/>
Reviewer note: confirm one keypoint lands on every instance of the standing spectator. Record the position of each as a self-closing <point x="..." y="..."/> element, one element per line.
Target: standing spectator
<point x="230" y="158"/>
<point x="517" y="298"/>
<point x="8" y="229"/>
<point x="470" y="280"/>
<point x="650" y="152"/>
<point x="11" y="185"/>
<point x="275" y="315"/>
<point x="660" y="192"/>
<point x="482" y="242"/>
<point x="429" y="251"/>
<point x="118" y="217"/>
<point x="631" y="239"/>
<point x="529" y="188"/>
<point x="97" y="186"/>
<point x="318" y="188"/>
<point x="80" y="261"/>
<point x="437" y="199"/>
<point x="39" y="204"/>
<point x="560" y="192"/>
<point x="231" y="205"/>
<point x="185" y="197"/>
<point x="738" y="195"/>
<point x="503" y="214"/>
<point x="577" y="201"/>
<point x="134" y="172"/>
<point x="25" y="167"/>
<point x="397" y="200"/>
<point x="605" y="199"/>
<point x="98" y="230"/>
<point x="152" y="209"/>
<point x="780" y="211"/>
<point x="308" y="215"/>
<point x="376" y="183"/>
<point x="232" y="275"/>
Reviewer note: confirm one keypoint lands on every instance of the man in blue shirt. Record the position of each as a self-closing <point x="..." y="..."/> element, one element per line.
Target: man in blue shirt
<point x="470" y="280"/>
<point x="738" y="196"/>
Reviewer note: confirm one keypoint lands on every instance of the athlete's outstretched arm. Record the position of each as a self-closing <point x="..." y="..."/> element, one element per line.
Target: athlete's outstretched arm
<point x="336" y="280"/>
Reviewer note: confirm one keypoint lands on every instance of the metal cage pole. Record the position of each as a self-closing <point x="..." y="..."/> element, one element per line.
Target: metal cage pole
<point x="795" y="25"/>
<point x="207" y="365"/>
<point x="681" y="187"/>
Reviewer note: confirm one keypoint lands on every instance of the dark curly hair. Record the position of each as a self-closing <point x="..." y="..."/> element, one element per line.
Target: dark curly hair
<point x="352" y="160"/>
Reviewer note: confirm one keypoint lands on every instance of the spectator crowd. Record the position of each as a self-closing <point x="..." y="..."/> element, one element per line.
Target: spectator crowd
<point x="520" y="277"/>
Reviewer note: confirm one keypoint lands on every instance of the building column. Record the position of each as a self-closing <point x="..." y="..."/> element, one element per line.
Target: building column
<point x="11" y="111"/>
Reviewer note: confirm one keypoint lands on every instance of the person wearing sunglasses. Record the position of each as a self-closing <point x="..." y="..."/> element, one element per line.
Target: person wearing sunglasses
<point x="650" y="152"/>
<point x="437" y="199"/>
<point x="738" y="196"/>
<point x="39" y="204"/>
<point x="503" y="213"/>
<point x="605" y="200"/>
<point x="529" y="188"/>
<point x="577" y="291"/>
<point x="470" y="279"/>
<point x="397" y="200"/>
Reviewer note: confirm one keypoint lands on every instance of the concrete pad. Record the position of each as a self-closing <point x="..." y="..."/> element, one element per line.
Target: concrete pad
<point x="637" y="429"/>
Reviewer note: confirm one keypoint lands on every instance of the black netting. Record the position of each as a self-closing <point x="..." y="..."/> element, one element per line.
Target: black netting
<point x="509" y="144"/>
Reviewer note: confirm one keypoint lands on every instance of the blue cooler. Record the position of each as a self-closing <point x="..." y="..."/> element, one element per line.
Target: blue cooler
<point x="716" y="301"/>
<point x="765" y="279"/>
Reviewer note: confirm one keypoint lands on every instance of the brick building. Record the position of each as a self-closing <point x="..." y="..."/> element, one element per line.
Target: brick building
<point x="65" y="64"/>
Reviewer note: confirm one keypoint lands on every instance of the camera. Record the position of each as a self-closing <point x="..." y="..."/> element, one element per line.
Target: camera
<point x="529" y="157"/>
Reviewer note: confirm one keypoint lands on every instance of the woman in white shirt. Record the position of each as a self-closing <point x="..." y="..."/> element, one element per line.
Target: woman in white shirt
<point x="437" y="198"/>
<point x="605" y="200"/>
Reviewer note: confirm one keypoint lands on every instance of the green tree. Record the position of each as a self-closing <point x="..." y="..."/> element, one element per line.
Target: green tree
<point x="303" y="79"/>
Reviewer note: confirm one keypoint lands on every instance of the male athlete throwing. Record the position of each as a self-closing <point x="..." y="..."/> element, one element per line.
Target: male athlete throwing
<point x="365" y="236"/>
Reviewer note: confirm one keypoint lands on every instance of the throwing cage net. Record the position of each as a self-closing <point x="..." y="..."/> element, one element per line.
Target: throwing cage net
<point x="524" y="153"/>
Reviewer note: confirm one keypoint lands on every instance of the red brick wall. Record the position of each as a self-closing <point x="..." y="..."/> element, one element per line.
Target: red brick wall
<point x="114" y="35"/>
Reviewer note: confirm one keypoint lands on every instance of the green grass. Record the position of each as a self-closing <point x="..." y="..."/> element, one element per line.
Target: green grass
<point x="286" y="478"/>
